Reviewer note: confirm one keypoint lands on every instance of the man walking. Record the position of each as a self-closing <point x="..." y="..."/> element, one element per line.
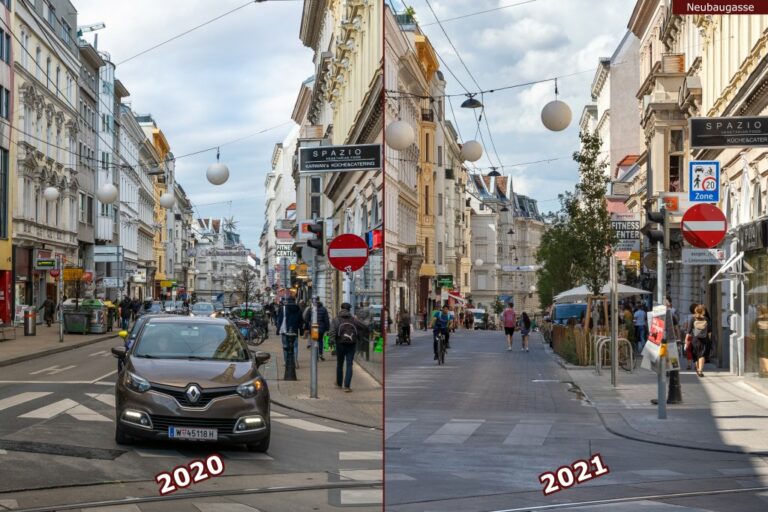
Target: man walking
<point x="48" y="308"/>
<point x="126" y="310"/>
<point x="640" y="321"/>
<point x="323" y="324"/>
<point x="345" y="332"/>
<point x="509" y="319"/>
<point x="288" y="324"/>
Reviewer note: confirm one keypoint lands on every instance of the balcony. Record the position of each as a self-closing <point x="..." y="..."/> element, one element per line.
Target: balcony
<point x="428" y="115"/>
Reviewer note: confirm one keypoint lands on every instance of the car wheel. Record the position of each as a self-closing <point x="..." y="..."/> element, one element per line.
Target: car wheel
<point x="121" y="437"/>
<point x="262" y="446"/>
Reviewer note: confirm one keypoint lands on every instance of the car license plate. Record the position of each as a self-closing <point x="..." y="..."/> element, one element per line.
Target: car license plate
<point x="193" y="434"/>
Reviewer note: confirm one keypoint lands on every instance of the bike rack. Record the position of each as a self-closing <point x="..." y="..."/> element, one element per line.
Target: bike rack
<point x="600" y="343"/>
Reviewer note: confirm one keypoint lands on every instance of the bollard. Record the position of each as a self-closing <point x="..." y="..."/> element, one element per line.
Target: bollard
<point x="290" y="362"/>
<point x="675" y="393"/>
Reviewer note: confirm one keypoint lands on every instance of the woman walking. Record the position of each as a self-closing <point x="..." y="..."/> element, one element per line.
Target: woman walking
<point x="698" y="334"/>
<point x="686" y="328"/>
<point x="525" y="329"/>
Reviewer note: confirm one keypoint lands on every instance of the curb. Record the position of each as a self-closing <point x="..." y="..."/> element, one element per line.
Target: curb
<point x="325" y="417"/>
<point x="51" y="351"/>
<point x="364" y="366"/>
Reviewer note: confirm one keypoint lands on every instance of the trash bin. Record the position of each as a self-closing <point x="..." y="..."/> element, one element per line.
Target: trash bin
<point x="30" y="322"/>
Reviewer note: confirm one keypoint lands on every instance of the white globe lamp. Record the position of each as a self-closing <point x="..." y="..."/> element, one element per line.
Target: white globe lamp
<point x="471" y="151"/>
<point x="497" y="266"/>
<point x="51" y="194"/>
<point x="478" y="262"/>
<point x="217" y="173"/>
<point x="399" y="135"/>
<point x="107" y="193"/>
<point x="167" y="200"/>
<point x="556" y="116"/>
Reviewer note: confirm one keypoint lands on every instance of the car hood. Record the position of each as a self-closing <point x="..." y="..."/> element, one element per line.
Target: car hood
<point x="180" y="372"/>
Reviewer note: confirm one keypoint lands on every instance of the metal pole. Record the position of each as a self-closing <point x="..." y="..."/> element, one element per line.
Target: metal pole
<point x="314" y="334"/>
<point x="661" y="288"/>
<point x="614" y="321"/>
<point x="60" y="266"/>
<point x="742" y="321"/>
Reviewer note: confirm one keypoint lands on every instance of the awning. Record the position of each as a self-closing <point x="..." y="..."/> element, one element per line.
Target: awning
<point x="728" y="265"/>
<point x="582" y="293"/>
<point x="457" y="298"/>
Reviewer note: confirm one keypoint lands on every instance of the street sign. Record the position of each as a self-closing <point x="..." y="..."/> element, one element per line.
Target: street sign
<point x="445" y="280"/>
<point x="45" y="264"/>
<point x="348" y="252"/>
<point x="112" y="282"/>
<point x="704" y="181"/>
<point x="728" y="132"/>
<point x="710" y="8"/>
<point x="359" y="157"/>
<point x="169" y="283"/>
<point x="107" y="253"/>
<point x="704" y="226"/>
<point x="703" y="256"/>
<point x="627" y="228"/>
<point x="73" y="274"/>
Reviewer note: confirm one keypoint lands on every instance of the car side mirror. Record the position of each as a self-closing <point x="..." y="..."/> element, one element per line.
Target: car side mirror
<point x="119" y="352"/>
<point x="123" y="334"/>
<point x="261" y="357"/>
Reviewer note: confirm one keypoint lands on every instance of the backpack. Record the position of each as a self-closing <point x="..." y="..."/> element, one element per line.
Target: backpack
<point x="699" y="328"/>
<point x="347" y="332"/>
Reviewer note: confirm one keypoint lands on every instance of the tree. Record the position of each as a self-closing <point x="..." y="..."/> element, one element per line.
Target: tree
<point x="589" y="217"/>
<point x="247" y="286"/>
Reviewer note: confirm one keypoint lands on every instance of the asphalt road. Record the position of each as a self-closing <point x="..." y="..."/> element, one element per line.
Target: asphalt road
<point x="476" y="434"/>
<point x="57" y="448"/>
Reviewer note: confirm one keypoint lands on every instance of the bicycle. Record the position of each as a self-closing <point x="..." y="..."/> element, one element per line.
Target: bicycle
<point x="441" y="347"/>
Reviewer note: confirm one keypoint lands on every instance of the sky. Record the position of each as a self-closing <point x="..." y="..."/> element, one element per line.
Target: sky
<point x="234" y="77"/>
<point x="242" y="73"/>
<point x="536" y="40"/>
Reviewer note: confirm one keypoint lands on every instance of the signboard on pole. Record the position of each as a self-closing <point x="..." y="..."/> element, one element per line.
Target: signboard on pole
<point x="348" y="252"/>
<point x="627" y="228"/>
<point x="704" y="181"/>
<point x="652" y="348"/>
<point x="112" y="282"/>
<point x="716" y="7"/>
<point x="728" y="132"/>
<point x="358" y="157"/>
<point x="703" y="256"/>
<point x="285" y="251"/>
<point x="445" y="280"/>
<point x="73" y="274"/>
<point x="704" y="226"/>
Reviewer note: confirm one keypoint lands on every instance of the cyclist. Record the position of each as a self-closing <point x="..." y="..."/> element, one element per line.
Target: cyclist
<point x="440" y="323"/>
<point x="404" y="322"/>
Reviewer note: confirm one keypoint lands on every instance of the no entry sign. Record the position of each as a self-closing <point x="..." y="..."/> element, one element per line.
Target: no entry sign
<point x="704" y="226"/>
<point x="348" y="252"/>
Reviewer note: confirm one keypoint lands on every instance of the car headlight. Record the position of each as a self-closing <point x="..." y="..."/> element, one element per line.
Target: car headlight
<point x="250" y="389"/>
<point x="136" y="383"/>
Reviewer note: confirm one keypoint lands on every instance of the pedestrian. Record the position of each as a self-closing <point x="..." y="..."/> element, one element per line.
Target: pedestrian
<point x="404" y="324"/>
<point x="525" y="329"/>
<point x="136" y="307"/>
<point x="688" y="347"/>
<point x="125" y="312"/>
<point x="424" y="317"/>
<point x="288" y="323"/>
<point x="346" y="332"/>
<point x="639" y="323"/>
<point x="509" y="320"/>
<point x="712" y="339"/>
<point x="323" y="326"/>
<point x="441" y="322"/>
<point x="628" y="323"/>
<point x="48" y="307"/>
<point x="698" y="334"/>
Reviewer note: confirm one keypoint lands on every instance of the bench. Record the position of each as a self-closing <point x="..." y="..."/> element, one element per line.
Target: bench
<point x="7" y="332"/>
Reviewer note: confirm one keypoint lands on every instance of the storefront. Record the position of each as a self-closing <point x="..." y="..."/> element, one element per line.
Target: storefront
<point x="753" y="241"/>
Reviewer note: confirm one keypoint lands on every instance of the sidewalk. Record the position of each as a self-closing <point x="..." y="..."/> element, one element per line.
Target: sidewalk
<point x="363" y="406"/>
<point x="720" y="412"/>
<point x="45" y="342"/>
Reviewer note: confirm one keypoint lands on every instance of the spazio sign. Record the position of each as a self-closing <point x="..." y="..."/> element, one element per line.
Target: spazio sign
<point x="359" y="157"/>
<point x="728" y="132"/>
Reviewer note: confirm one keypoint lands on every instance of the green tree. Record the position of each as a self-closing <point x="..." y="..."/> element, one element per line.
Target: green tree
<point x="588" y="214"/>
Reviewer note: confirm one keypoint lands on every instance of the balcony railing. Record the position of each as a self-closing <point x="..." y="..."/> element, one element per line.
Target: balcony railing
<point x="427" y="115"/>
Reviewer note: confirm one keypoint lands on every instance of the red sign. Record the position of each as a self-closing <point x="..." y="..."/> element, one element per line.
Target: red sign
<point x="704" y="226"/>
<point x="54" y="273"/>
<point x="88" y="277"/>
<point x="348" y="252"/>
<point x="712" y="7"/>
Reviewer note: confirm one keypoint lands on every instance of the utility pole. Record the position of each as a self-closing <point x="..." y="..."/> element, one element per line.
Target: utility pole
<point x="59" y="296"/>
<point x="318" y="244"/>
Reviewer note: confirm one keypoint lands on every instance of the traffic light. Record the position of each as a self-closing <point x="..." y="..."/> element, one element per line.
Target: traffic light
<point x="318" y="243"/>
<point x="656" y="235"/>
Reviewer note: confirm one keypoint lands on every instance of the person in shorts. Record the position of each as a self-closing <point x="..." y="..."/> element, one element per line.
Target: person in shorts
<point x="525" y="329"/>
<point x="509" y="320"/>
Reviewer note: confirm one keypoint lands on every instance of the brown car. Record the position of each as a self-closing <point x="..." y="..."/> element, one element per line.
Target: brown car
<point x="191" y="379"/>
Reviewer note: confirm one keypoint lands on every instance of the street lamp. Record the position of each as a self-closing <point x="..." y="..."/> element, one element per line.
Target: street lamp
<point x="479" y="262"/>
<point x="556" y="115"/>
<point x="399" y="135"/>
<point x="217" y="173"/>
<point x="107" y="193"/>
<point x="51" y="194"/>
<point x="471" y="151"/>
<point x="167" y="200"/>
<point x="471" y="102"/>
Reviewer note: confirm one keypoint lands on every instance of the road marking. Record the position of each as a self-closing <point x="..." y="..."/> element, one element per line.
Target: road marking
<point x="307" y="425"/>
<point x="21" y="398"/>
<point x="157" y="453"/>
<point x="3" y="452"/>
<point x="100" y="352"/>
<point x="225" y="507"/>
<point x="393" y="427"/>
<point x="49" y="411"/>
<point x="116" y="508"/>
<point x="360" y="456"/>
<point x="107" y="398"/>
<point x="246" y="456"/>
<point x="53" y="370"/>
<point x="83" y="413"/>
<point x="94" y="381"/>
<point x="277" y="415"/>
<point x="9" y="504"/>
<point x="361" y="496"/>
<point x="399" y="477"/>
<point x="529" y="434"/>
<point x="455" y="431"/>
<point x="362" y="474"/>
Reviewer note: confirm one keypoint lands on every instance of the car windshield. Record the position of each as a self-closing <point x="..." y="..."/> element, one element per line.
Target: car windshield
<point x="155" y="307"/>
<point x="170" y="304"/>
<point x="187" y="340"/>
<point x="203" y="307"/>
<point x="479" y="314"/>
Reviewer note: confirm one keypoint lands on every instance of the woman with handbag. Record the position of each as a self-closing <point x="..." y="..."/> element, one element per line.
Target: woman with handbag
<point x="698" y="336"/>
<point x="525" y="329"/>
<point x="686" y="328"/>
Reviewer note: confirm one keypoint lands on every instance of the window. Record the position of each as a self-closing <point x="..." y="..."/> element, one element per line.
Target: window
<point x="466" y="279"/>
<point x="48" y="71"/>
<point x="65" y="30"/>
<point x="51" y="14"/>
<point x="315" y="188"/>
<point x="83" y="207"/>
<point x="440" y="204"/>
<point x="58" y="78"/>
<point x="427" y="153"/>
<point x="5" y="46"/>
<point x="24" y="50"/>
<point x="426" y="250"/>
<point x="38" y="62"/>
<point x="426" y="200"/>
<point x="439" y="253"/>
<point x="5" y="103"/>
<point x="4" y="193"/>
<point x="675" y="160"/>
<point x="439" y="155"/>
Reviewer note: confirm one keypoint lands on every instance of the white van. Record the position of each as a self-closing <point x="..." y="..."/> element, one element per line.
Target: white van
<point x="479" y="316"/>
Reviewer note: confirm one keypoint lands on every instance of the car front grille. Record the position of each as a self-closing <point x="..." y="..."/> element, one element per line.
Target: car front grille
<point x="161" y="423"/>
<point x="180" y="395"/>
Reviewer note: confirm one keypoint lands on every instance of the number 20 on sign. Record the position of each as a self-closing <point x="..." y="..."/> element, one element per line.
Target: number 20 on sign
<point x="578" y="472"/>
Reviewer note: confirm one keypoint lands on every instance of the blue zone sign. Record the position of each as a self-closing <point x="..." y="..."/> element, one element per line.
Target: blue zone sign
<point x="704" y="181"/>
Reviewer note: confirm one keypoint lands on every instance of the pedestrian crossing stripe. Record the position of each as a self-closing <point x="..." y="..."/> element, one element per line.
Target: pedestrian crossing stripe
<point x="306" y="425"/>
<point x="21" y="398"/>
<point x="66" y="406"/>
<point x="372" y="455"/>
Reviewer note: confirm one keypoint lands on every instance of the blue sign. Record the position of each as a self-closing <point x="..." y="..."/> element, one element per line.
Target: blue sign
<point x="704" y="181"/>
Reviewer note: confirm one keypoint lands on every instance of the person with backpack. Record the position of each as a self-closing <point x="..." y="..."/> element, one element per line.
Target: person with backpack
<point x="509" y="320"/>
<point x="441" y="320"/>
<point x="698" y="335"/>
<point x="345" y="332"/>
<point x="525" y="329"/>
